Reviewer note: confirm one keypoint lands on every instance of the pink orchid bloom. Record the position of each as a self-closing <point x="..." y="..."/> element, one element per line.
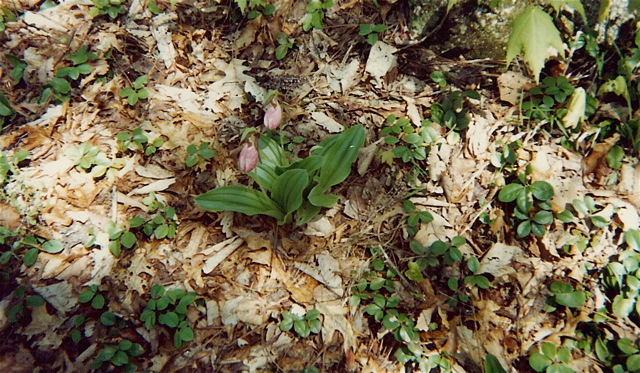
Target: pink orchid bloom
<point x="248" y="157"/>
<point x="273" y="116"/>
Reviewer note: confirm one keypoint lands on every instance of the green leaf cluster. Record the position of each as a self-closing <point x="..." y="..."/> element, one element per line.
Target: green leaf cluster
<point x="415" y="217"/>
<point x="448" y="253"/>
<point x="315" y="14"/>
<point x="623" y="277"/>
<point x="92" y="295"/>
<point x="551" y="359"/>
<point x="12" y="243"/>
<point x="298" y="187"/>
<point x="119" y="237"/>
<point x="15" y="311"/>
<point x="505" y="159"/>
<point x="89" y="158"/>
<point x="385" y="310"/>
<point x="410" y="144"/>
<point x="533" y="206"/>
<point x="587" y="208"/>
<point x="80" y="65"/>
<point x="427" y="363"/>
<point x="304" y="325"/>
<point x="565" y="295"/>
<point x="631" y="353"/>
<point x="169" y="308"/>
<point x="138" y="92"/>
<point x="548" y="102"/>
<point x="76" y="333"/>
<point x="371" y="282"/>
<point x="111" y="7"/>
<point x="137" y="140"/>
<point x="260" y="7"/>
<point x="162" y="224"/>
<point x="198" y="154"/>
<point x="371" y="31"/>
<point x="476" y="279"/>
<point x="120" y="355"/>
<point x="57" y="90"/>
<point x="439" y="78"/>
<point x="284" y="44"/>
<point x="450" y="112"/>
<point x="17" y="73"/>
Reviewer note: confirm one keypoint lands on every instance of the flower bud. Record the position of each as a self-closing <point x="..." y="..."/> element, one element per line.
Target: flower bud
<point x="248" y="157"/>
<point x="273" y="116"/>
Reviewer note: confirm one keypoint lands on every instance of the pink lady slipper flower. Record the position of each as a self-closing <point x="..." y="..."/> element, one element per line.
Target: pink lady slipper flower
<point x="273" y="115"/>
<point x="248" y="157"/>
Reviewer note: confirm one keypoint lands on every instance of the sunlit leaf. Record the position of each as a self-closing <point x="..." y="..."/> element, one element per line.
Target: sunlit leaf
<point x="240" y="199"/>
<point x="510" y="192"/>
<point x="287" y="189"/>
<point x="533" y="33"/>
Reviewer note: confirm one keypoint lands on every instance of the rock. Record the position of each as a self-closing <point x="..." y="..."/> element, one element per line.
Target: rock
<point x="470" y="29"/>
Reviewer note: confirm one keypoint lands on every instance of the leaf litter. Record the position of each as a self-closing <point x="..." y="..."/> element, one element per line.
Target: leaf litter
<point x="247" y="270"/>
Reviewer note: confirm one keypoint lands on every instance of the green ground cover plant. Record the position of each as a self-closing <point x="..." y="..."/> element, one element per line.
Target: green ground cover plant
<point x="304" y="324"/>
<point x="137" y="140"/>
<point x="169" y="308"/>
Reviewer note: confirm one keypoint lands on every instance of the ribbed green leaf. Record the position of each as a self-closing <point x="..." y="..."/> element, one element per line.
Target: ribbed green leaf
<point x="318" y="198"/>
<point x="339" y="156"/>
<point x="239" y="199"/>
<point x="287" y="189"/>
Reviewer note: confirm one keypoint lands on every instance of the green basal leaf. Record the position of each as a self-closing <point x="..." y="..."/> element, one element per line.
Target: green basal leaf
<point x="523" y="202"/>
<point x="615" y="157"/>
<point x="317" y="197"/>
<point x="365" y="29"/>
<point x="626" y="346"/>
<point x="287" y="190"/>
<point x="311" y="164"/>
<point x="306" y="212"/>
<point x="239" y="199"/>
<point x="271" y="154"/>
<point x="339" y="156"/>
<point x="132" y="99"/>
<point x="264" y="175"/>
<point x="128" y="239"/>
<point x="35" y="301"/>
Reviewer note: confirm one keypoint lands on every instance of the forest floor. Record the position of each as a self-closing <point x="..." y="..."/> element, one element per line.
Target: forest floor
<point x="207" y="77"/>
